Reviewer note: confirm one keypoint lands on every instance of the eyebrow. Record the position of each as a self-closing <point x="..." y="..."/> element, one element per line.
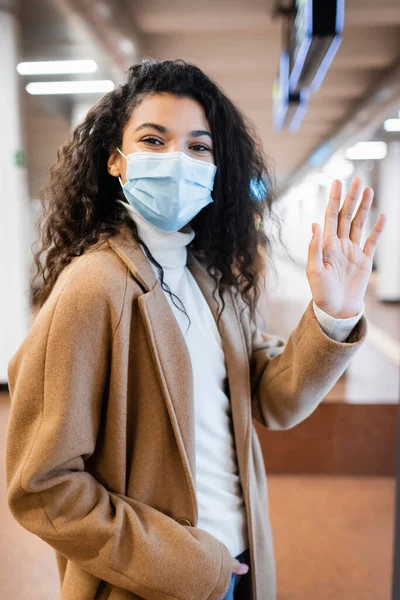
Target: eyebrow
<point x="162" y="129"/>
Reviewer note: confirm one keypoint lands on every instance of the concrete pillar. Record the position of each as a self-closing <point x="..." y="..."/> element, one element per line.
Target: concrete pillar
<point x="15" y="219"/>
<point x="388" y="251"/>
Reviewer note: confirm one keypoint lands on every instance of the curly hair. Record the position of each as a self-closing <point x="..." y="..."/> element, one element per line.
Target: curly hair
<point x="79" y="198"/>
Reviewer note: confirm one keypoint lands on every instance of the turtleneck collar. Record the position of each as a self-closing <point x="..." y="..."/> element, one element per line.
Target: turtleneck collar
<point x="168" y="248"/>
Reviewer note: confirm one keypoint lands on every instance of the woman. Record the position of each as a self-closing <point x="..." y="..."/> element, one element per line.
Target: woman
<point x="130" y="447"/>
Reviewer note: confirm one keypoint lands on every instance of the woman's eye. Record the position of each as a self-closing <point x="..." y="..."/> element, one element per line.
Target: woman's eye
<point x="151" y="138"/>
<point x="196" y="147"/>
<point x="201" y="146"/>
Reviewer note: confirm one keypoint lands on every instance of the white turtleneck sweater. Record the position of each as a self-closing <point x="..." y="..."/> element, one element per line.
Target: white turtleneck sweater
<point x="221" y="509"/>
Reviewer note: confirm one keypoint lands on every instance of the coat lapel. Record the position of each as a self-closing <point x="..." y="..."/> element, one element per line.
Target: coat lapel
<point x="174" y="368"/>
<point x="172" y="359"/>
<point x="168" y="347"/>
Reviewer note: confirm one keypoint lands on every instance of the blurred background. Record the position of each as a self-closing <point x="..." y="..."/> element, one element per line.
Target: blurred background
<point x="320" y="80"/>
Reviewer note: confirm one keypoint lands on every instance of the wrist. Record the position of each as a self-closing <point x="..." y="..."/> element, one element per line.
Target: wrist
<point x="343" y="313"/>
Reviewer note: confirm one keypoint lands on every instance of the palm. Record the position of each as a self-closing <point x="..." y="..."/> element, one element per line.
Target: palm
<point x="338" y="270"/>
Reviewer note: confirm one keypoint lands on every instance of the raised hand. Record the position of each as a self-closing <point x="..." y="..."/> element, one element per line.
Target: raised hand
<point x="338" y="270"/>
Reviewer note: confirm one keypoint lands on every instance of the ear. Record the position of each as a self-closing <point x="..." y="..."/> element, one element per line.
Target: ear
<point x="113" y="164"/>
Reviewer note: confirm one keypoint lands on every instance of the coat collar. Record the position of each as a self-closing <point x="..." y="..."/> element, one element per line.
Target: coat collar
<point x="172" y="360"/>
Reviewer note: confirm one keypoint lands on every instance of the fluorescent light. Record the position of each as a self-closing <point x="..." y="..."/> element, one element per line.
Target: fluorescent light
<point x="392" y="125"/>
<point x="69" y="87"/>
<point x="55" y="67"/>
<point x="126" y="46"/>
<point x="103" y="10"/>
<point x="367" y="151"/>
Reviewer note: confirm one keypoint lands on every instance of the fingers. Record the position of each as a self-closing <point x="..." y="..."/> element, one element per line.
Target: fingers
<point x="346" y="212"/>
<point x="361" y="215"/>
<point x="370" y="244"/>
<point x="314" y="259"/>
<point x="332" y="211"/>
<point x="339" y="222"/>
<point x="238" y="567"/>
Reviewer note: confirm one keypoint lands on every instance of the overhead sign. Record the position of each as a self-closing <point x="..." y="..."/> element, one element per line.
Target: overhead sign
<point x="314" y="37"/>
<point x="289" y="107"/>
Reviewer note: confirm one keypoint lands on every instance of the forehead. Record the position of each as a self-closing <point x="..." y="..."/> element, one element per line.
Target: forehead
<point x="178" y="114"/>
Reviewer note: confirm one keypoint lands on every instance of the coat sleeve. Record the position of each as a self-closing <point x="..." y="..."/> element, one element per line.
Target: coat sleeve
<point x="57" y="382"/>
<point x="289" y="378"/>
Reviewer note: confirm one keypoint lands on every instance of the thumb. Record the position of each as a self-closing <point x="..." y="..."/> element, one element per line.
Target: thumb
<point x="238" y="567"/>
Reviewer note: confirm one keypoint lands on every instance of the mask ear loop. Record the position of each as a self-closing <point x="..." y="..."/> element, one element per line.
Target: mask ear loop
<point x="121" y="153"/>
<point x="119" y="178"/>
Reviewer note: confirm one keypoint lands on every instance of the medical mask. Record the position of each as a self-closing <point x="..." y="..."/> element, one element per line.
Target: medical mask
<point x="168" y="189"/>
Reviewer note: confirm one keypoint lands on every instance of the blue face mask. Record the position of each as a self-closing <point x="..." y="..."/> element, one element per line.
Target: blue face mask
<point x="168" y="189"/>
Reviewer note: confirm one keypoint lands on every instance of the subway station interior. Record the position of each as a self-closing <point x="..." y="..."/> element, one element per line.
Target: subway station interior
<point x="334" y="478"/>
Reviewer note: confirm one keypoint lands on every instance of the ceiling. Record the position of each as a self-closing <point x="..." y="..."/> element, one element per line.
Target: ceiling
<point x="236" y="42"/>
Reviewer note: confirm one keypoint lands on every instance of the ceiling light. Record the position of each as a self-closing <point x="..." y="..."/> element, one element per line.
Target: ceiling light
<point x="392" y="125"/>
<point x="55" y="67"/>
<point x="126" y="46"/>
<point x="70" y="87"/>
<point x="367" y="151"/>
<point x="103" y="10"/>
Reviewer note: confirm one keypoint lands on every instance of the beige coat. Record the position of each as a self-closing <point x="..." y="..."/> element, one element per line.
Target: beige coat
<point x="100" y="443"/>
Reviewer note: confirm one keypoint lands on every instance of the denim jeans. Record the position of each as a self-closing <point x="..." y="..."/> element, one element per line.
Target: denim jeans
<point x="244" y="557"/>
